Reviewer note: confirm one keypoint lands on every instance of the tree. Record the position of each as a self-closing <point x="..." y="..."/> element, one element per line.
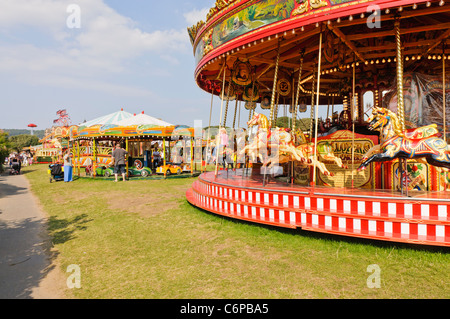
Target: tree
<point x="286" y="122"/>
<point x="4" y="148"/>
<point x="18" y="142"/>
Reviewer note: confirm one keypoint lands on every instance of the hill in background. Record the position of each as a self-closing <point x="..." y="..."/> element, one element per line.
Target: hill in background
<point x="13" y="132"/>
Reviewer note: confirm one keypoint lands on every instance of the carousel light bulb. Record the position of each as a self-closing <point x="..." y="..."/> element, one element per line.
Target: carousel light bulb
<point x="414" y="6"/>
<point x="357" y="63"/>
<point x="428" y="3"/>
<point x="378" y="61"/>
<point x="429" y="57"/>
<point x="338" y="20"/>
<point x="387" y="11"/>
<point x="367" y="62"/>
<point x="328" y="22"/>
<point x="350" y="18"/>
<point x="276" y="36"/>
<point x="335" y="69"/>
<point x="419" y="57"/>
<point x="441" y="3"/>
<point x="362" y="15"/>
<point x="413" y="58"/>
<point x="317" y="24"/>
<point x="269" y="38"/>
<point x="371" y="62"/>
<point x="285" y="33"/>
<point x="400" y="9"/>
<point x="293" y="31"/>
<point x="384" y="61"/>
<point x="303" y="28"/>
<point x="407" y="58"/>
<point x="434" y="57"/>
<point x="439" y="57"/>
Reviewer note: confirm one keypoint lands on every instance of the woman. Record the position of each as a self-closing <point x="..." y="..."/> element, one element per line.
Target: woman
<point x="68" y="166"/>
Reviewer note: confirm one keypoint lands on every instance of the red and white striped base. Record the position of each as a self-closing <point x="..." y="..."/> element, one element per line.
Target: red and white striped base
<point x="421" y="219"/>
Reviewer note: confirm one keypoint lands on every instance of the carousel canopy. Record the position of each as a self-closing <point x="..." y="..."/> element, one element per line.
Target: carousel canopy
<point x="110" y="119"/>
<point x="143" y="119"/>
<point x="256" y="43"/>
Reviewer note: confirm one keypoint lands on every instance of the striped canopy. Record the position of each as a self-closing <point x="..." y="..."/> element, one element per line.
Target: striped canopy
<point x="110" y="119"/>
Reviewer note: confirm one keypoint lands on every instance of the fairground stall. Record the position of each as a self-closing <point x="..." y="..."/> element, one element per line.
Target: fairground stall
<point x="52" y="145"/>
<point x="145" y="138"/>
<point x="371" y="78"/>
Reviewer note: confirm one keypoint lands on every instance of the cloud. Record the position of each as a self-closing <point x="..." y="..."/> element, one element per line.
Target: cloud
<point x="196" y="15"/>
<point x="107" y="43"/>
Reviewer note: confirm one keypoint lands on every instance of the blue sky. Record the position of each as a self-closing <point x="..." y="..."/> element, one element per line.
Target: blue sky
<point x="133" y="54"/>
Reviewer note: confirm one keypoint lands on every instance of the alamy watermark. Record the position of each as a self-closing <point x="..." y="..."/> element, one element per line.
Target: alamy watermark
<point x="73" y="21"/>
<point x="374" y="19"/>
<point x="74" y="280"/>
<point x="374" y="280"/>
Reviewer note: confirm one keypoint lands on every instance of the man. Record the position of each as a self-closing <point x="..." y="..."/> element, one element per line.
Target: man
<point x="119" y="161"/>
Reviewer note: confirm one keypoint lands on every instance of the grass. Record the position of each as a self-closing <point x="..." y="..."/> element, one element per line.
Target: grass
<point x="141" y="239"/>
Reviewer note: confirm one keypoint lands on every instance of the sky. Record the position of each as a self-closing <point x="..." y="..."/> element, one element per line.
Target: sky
<point x="95" y="57"/>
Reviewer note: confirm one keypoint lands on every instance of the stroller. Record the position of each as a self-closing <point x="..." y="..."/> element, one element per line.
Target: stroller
<point x="15" y="168"/>
<point x="56" y="172"/>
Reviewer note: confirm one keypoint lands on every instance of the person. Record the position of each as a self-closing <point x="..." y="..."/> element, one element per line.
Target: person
<point x="119" y="161"/>
<point x="68" y="167"/>
<point x="16" y="163"/>
<point x="156" y="158"/>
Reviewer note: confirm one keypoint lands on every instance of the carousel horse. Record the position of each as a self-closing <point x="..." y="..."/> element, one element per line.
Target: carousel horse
<point x="290" y="146"/>
<point x="419" y="143"/>
<point x="306" y="151"/>
<point x="266" y="138"/>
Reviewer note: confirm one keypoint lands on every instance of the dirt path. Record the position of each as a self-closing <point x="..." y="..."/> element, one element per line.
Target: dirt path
<point x="28" y="267"/>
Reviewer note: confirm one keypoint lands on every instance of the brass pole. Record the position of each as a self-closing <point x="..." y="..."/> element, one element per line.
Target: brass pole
<point x="274" y="89"/>
<point x="312" y="105"/>
<point x="317" y="107"/>
<point x="400" y="101"/>
<point x="297" y="96"/>
<point x="226" y="106"/>
<point x="221" y="110"/>
<point x="443" y="92"/>
<point x="235" y="112"/>
<point x="353" y="108"/>
<point x="209" y="127"/>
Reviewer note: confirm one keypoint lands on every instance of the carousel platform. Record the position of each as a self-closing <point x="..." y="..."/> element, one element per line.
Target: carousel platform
<point x="419" y="218"/>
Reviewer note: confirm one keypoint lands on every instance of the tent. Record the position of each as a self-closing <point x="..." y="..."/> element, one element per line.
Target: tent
<point x="110" y="119"/>
<point x="143" y="119"/>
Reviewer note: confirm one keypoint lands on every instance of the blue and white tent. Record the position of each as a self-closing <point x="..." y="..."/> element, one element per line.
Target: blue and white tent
<point x="143" y="119"/>
<point x="110" y="119"/>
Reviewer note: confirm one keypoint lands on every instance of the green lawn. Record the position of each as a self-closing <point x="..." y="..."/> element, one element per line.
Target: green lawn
<point x="142" y="239"/>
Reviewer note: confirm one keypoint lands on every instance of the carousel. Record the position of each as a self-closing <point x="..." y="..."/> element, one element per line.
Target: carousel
<point x="150" y="143"/>
<point x="364" y="88"/>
